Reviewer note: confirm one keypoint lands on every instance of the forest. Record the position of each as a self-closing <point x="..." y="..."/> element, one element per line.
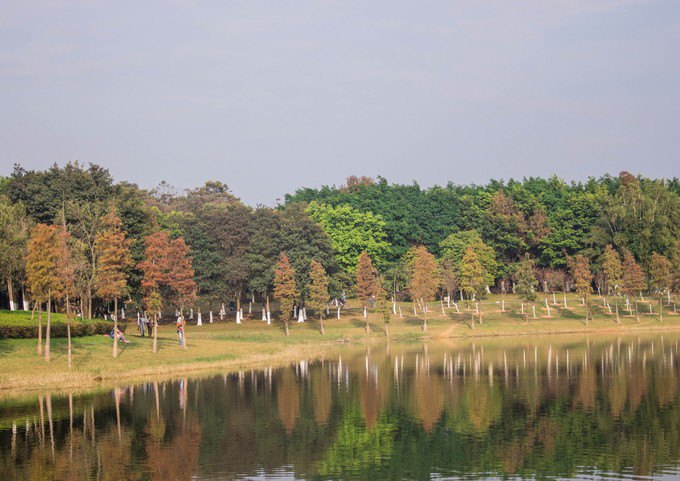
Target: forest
<point x="73" y="238"/>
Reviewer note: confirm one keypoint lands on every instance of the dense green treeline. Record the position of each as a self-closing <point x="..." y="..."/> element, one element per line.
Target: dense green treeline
<point x="479" y="233"/>
<point x="548" y="218"/>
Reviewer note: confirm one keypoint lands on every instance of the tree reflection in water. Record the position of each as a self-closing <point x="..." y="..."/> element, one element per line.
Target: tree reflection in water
<point x="564" y="407"/>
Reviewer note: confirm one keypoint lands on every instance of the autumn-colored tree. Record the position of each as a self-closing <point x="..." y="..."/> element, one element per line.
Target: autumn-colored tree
<point x="367" y="283"/>
<point x="612" y="269"/>
<point x="471" y="274"/>
<point x="660" y="273"/>
<point x="67" y="285"/>
<point x="634" y="278"/>
<point x="583" y="278"/>
<point x="180" y="273"/>
<point x="43" y="271"/>
<point x="113" y="260"/>
<point x="180" y="278"/>
<point x="154" y="269"/>
<point x="285" y="288"/>
<point x="318" y="289"/>
<point x="424" y="279"/>
<point x="526" y="283"/>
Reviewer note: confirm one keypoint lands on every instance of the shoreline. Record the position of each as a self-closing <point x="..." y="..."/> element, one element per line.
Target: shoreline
<point x="237" y="353"/>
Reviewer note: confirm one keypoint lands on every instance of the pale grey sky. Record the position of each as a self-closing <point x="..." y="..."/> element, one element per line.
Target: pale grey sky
<point x="272" y="96"/>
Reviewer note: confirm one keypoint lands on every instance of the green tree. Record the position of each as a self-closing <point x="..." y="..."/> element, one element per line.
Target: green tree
<point x="526" y="283"/>
<point x="675" y="267"/>
<point x="454" y="246"/>
<point x="367" y="283"/>
<point x="612" y="269"/>
<point x="660" y="273"/>
<point x="318" y="290"/>
<point x="14" y="228"/>
<point x="583" y="278"/>
<point x="471" y="274"/>
<point x="352" y="232"/>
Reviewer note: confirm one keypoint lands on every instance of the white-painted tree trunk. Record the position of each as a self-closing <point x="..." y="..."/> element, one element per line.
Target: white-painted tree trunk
<point x="522" y="307"/>
<point x="365" y="313"/>
<point x="264" y="314"/>
<point x="394" y="308"/>
<point x="338" y="312"/>
<point x="238" y="317"/>
<point x="269" y="317"/>
<point x="301" y="317"/>
<point x="547" y="306"/>
<point x="211" y="317"/>
<point x="400" y="316"/>
<point x="304" y="313"/>
<point x="199" y="322"/>
<point x="250" y="307"/>
<point x="534" y="309"/>
<point x="415" y="313"/>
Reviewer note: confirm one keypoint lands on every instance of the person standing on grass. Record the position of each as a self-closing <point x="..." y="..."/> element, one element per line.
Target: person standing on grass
<point x="180" y="330"/>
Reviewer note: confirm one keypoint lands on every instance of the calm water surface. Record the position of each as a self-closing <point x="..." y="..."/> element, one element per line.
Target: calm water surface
<point x="558" y="408"/>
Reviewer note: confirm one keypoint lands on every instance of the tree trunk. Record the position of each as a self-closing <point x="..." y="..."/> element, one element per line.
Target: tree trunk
<point x="660" y="308"/>
<point x="424" y="317"/>
<point x="49" y="325"/>
<point x="287" y="331"/>
<point x="155" y="333"/>
<point x="637" y="311"/>
<point x="39" y="306"/>
<point x="368" y="327"/>
<point x="89" y="301"/>
<point x="68" y="329"/>
<point x="10" y="293"/>
<point x="184" y="328"/>
<point x="616" y="304"/>
<point x="321" y="321"/>
<point x="115" y="327"/>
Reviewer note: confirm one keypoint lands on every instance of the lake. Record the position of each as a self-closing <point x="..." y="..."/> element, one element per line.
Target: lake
<point x="564" y="407"/>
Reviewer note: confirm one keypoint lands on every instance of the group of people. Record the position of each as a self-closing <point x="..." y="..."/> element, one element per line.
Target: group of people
<point x="146" y="328"/>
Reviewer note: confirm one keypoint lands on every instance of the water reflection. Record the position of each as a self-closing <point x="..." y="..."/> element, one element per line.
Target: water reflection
<point x="497" y="408"/>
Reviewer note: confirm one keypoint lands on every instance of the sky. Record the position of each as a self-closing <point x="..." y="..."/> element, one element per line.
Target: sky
<point x="272" y="96"/>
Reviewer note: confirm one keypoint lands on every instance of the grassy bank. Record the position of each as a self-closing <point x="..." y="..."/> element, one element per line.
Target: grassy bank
<point x="253" y="344"/>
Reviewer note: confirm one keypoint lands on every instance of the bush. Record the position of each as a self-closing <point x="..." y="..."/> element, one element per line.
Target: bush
<point x="78" y="329"/>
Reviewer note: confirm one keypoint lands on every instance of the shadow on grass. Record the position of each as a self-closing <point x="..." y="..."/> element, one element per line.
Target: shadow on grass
<point x="359" y="323"/>
<point x="568" y="314"/>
